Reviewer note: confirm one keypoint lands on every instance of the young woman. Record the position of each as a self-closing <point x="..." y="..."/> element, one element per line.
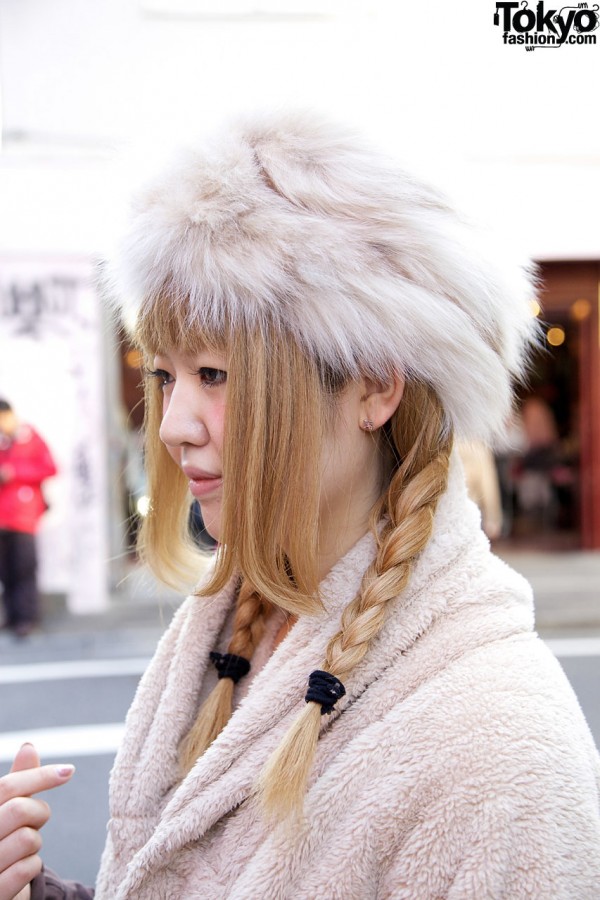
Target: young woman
<point x="352" y="703"/>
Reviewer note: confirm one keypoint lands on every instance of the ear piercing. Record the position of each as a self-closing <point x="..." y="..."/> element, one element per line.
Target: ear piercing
<point x="368" y="425"/>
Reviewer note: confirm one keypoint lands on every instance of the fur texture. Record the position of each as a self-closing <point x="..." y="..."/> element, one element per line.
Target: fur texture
<point x="290" y="220"/>
<point x="458" y="765"/>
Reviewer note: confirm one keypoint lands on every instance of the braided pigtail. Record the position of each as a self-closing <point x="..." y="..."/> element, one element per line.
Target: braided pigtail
<point x="251" y="614"/>
<point x="421" y="443"/>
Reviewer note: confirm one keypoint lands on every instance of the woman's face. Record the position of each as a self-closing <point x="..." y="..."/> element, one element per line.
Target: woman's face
<point x="192" y="427"/>
<point x="353" y="468"/>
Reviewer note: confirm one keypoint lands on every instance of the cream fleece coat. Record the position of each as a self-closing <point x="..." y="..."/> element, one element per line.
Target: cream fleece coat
<point x="458" y="765"/>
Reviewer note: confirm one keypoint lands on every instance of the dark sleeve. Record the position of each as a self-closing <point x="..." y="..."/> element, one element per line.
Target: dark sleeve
<point x="48" y="886"/>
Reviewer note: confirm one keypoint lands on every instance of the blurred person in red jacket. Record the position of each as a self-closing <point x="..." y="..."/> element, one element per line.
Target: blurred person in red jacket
<point x="25" y="462"/>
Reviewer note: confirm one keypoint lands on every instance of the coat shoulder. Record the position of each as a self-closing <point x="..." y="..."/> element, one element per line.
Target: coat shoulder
<point x="484" y="781"/>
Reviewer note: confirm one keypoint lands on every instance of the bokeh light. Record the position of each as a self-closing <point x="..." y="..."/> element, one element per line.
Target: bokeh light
<point x="555" y="336"/>
<point x="581" y="309"/>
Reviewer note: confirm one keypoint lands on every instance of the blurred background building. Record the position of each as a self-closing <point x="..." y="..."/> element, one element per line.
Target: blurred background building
<point x="94" y="92"/>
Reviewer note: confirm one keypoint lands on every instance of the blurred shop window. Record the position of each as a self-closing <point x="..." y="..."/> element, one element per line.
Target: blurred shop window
<point x="545" y="474"/>
<point x="542" y="453"/>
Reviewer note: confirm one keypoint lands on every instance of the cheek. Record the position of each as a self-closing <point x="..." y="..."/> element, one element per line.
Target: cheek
<point x="211" y="516"/>
<point x="174" y="453"/>
<point x="337" y="469"/>
<point x="349" y="466"/>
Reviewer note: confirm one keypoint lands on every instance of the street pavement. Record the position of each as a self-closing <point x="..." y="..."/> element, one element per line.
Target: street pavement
<point x="68" y="687"/>
<point x="566" y="589"/>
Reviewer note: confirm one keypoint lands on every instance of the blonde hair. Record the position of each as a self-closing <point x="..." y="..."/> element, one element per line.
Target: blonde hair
<point x="277" y="410"/>
<point x="251" y="614"/>
<point x="423" y="445"/>
<point x="280" y="402"/>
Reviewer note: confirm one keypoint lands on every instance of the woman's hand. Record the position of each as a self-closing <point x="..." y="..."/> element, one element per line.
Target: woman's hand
<point x="21" y="818"/>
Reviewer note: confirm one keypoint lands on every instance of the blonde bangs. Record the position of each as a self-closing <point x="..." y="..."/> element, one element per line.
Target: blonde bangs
<point x="167" y="321"/>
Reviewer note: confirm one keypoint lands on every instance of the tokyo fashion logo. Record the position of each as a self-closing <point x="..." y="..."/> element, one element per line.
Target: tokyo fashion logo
<point x="546" y="28"/>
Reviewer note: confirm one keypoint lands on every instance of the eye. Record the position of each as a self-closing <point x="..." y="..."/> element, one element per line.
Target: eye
<point x="163" y="377"/>
<point x="212" y="377"/>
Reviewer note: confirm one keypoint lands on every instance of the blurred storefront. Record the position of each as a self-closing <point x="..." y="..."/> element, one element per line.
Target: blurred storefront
<point x="550" y="480"/>
<point x="54" y="365"/>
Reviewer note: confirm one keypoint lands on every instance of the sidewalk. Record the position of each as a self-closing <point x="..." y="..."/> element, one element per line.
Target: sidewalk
<point x="139" y="612"/>
<point x="566" y="589"/>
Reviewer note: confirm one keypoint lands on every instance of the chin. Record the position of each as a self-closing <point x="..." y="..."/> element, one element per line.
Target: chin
<point x="212" y="521"/>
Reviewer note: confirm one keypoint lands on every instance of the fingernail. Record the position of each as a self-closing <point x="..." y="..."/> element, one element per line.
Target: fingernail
<point x="64" y="771"/>
<point x="26" y="744"/>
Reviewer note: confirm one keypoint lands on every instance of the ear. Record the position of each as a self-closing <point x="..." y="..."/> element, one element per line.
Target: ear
<point x="379" y="402"/>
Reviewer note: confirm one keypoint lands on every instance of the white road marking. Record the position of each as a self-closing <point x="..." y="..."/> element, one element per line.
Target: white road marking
<point x="113" y="668"/>
<point x="80" y="668"/>
<point x="64" y="743"/>
<point x="584" y="646"/>
<point x="70" y="742"/>
<point x="565" y="584"/>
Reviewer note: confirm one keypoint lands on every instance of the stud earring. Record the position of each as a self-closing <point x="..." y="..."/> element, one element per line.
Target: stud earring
<point x="367" y="425"/>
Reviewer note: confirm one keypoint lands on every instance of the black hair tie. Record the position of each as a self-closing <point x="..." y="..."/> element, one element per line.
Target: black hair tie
<point x="228" y="665"/>
<point x="324" y="688"/>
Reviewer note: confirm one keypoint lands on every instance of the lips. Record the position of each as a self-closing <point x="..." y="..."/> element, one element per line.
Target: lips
<point x="195" y="474"/>
<point x="201" y="482"/>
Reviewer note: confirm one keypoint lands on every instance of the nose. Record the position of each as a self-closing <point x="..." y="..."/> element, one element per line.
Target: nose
<point x="182" y="420"/>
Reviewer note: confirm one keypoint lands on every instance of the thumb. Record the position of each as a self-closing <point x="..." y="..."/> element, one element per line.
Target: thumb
<point x="27" y="758"/>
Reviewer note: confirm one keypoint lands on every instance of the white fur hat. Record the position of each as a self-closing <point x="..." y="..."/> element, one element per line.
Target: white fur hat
<point x="289" y="220"/>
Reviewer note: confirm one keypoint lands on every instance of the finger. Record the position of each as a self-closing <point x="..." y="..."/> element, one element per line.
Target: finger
<point x="25" y="894"/>
<point x="32" y="781"/>
<point x="20" y="812"/>
<point x="19" y="845"/>
<point x="18" y="876"/>
<point x="27" y="758"/>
